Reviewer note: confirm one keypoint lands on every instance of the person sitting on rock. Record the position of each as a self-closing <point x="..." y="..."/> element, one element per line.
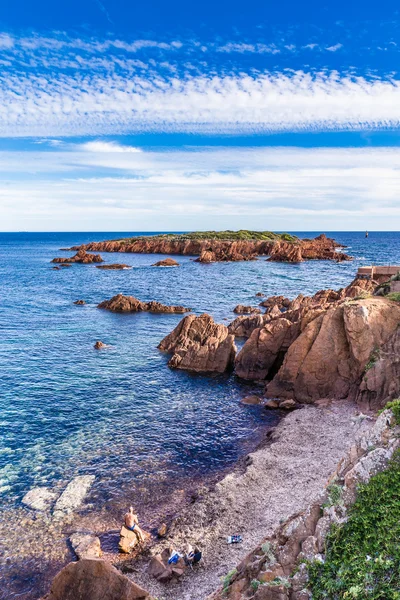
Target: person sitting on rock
<point x="131" y="522"/>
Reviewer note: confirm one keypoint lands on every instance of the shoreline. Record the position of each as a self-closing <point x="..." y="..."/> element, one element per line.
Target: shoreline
<point x="278" y="479"/>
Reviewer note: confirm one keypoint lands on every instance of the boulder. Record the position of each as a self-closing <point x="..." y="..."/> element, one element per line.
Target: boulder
<point x="79" y="302"/>
<point x="73" y="495"/>
<point x="246" y="310"/>
<point x="251" y="400"/>
<point x="99" y="345"/>
<point x="244" y="326"/>
<point x="199" y="344"/>
<point x="263" y="348"/>
<point x="164" y="572"/>
<point x="85" y="545"/>
<point x="329" y="357"/>
<point x="39" y="498"/>
<point x="128" y="540"/>
<point x="167" y="262"/>
<point x="129" y="304"/>
<point x="94" y="579"/>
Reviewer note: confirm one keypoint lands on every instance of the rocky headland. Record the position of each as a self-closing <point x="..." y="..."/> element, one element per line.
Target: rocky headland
<point x="129" y="304"/>
<point x="226" y="246"/>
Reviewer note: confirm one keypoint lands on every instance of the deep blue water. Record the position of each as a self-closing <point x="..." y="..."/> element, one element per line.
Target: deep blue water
<point x="66" y="409"/>
<point x="122" y="414"/>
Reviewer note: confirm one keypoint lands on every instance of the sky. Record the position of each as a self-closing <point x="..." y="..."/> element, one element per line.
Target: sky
<point x="175" y="115"/>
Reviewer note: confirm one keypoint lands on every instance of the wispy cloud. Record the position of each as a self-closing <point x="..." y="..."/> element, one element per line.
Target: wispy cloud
<point x="335" y="47"/>
<point x="102" y="146"/>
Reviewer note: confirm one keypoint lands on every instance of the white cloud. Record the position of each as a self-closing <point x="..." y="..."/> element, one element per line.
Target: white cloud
<point x="334" y="48"/>
<point x="102" y="146"/>
<point x="270" y="188"/>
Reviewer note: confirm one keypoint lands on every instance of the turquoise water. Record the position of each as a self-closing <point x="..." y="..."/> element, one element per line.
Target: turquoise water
<point x="122" y="414"/>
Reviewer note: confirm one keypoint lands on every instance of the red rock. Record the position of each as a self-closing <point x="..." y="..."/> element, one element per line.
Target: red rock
<point x="79" y="302"/>
<point x="241" y="309"/>
<point x="91" y="579"/>
<point x="80" y="257"/>
<point x="201" y="345"/>
<point x="167" y="262"/>
<point x="99" y="345"/>
<point x="121" y="303"/>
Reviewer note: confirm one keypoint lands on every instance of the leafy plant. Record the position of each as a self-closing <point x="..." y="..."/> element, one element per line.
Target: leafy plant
<point x="255" y="584"/>
<point x="363" y="554"/>
<point x="226" y="581"/>
<point x="335" y="493"/>
<point x="395" y="296"/>
<point x="394" y="406"/>
<point x="374" y="356"/>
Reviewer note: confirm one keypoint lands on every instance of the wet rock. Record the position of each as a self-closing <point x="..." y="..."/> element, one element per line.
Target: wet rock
<point x="246" y="310"/>
<point x="85" y="545"/>
<point x="65" y="265"/>
<point x="167" y="262"/>
<point x="73" y="495"/>
<point x="39" y="498"/>
<point x="94" y="579"/>
<point x="260" y="295"/>
<point x="252" y="400"/>
<point x="288" y="404"/>
<point x="129" y="304"/>
<point x="79" y="302"/>
<point x="271" y="404"/>
<point x="114" y="267"/>
<point x="99" y="345"/>
<point x="201" y="345"/>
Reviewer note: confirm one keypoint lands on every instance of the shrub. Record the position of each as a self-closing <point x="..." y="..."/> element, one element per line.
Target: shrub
<point x="395" y="296"/>
<point x="335" y="493"/>
<point x="363" y="555"/>
<point x="394" y="406"/>
<point x="227" y="579"/>
<point x="375" y="354"/>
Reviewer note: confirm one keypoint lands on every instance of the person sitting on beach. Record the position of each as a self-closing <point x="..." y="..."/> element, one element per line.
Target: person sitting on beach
<point x="131" y="522"/>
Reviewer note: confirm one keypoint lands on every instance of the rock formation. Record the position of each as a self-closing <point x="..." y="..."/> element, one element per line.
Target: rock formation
<point x="121" y="303"/>
<point x="164" y="572"/>
<point x="277" y="568"/>
<point x="219" y="247"/>
<point x="167" y="262"/>
<point x="81" y="256"/>
<point x="201" y="345"/>
<point x="129" y="540"/>
<point x="91" y="579"/>
<point x="39" y="498"/>
<point x="320" y="346"/>
<point x="240" y="309"/>
<point x="114" y="267"/>
<point x="381" y="381"/>
<point x="99" y="345"/>
<point x="79" y="302"/>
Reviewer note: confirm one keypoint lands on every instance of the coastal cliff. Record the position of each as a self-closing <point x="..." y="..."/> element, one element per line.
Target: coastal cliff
<point x="227" y="246"/>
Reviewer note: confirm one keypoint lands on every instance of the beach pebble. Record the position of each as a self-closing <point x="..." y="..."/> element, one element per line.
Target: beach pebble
<point x="39" y="498"/>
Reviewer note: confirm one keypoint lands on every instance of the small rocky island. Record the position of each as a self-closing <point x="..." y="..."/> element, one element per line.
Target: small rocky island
<point x="217" y="246"/>
<point x="129" y="304"/>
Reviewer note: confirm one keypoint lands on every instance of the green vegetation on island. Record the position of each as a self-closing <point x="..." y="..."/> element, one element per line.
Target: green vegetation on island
<point x="228" y="235"/>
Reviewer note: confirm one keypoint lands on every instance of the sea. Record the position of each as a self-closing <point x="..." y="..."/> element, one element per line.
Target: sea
<point x="121" y="414"/>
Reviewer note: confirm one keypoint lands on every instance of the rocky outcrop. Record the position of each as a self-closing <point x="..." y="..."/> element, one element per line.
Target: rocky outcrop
<point x="129" y="304"/>
<point x="201" y="345"/>
<point x="329" y="357"/>
<point x="240" y="309"/>
<point x="243" y="326"/>
<point x="277" y="568"/>
<point x="167" y="262"/>
<point x="79" y="302"/>
<point x="277" y="248"/>
<point x="114" y="267"/>
<point x="91" y="579"/>
<point x="81" y="256"/>
<point x="381" y="381"/>
<point x="164" y="572"/>
<point x="129" y="540"/>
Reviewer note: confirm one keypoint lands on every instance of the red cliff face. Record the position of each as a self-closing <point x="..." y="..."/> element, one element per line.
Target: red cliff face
<point x="213" y="250"/>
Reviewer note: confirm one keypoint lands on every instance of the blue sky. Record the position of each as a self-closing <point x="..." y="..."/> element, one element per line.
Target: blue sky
<point x="177" y="116"/>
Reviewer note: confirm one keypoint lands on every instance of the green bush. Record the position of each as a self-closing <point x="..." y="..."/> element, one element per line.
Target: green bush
<point x="394" y="406"/>
<point x="227" y="579"/>
<point x="363" y="555"/>
<point x="375" y="354"/>
<point x="395" y="296"/>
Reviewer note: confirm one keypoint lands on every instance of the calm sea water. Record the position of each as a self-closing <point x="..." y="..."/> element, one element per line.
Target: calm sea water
<point x="122" y="414"/>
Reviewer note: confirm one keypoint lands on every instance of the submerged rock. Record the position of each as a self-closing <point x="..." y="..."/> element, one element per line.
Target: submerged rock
<point x="99" y="345"/>
<point x="167" y="262"/>
<point x="94" y="579"/>
<point x="39" y="498"/>
<point x="79" y="302"/>
<point x="114" y="267"/>
<point x="73" y="495"/>
<point x="121" y="303"/>
<point x="201" y="345"/>
<point x="252" y="400"/>
<point x="85" y="545"/>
